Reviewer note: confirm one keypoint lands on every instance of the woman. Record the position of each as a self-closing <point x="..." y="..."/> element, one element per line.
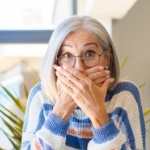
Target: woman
<point x="80" y="102"/>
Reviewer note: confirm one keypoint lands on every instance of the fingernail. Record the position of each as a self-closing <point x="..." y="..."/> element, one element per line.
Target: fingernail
<point x="107" y="71"/>
<point x="56" y="72"/>
<point x="108" y="76"/>
<point x="111" y="80"/>
<point x="106" y="68"/>
<point x="54" y="66"/>
<point x="101" y="68"/>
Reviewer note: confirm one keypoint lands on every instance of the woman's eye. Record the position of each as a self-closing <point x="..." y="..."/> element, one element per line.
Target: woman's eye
<point x="90" y="53"/>
<point x="67" y="55"/>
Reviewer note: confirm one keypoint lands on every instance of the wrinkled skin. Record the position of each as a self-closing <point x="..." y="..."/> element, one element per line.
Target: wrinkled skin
<point x="82" y="86"/>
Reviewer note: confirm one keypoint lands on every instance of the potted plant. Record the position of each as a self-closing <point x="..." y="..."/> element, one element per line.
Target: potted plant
<point x="13" y="122"/>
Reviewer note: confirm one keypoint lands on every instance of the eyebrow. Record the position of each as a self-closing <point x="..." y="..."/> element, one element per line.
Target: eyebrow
<point x="86" y="44"/>
<point x="92" y="43"/>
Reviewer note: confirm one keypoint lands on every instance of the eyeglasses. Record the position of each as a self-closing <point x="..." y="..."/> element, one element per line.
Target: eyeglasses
<point x="89" y="59"/>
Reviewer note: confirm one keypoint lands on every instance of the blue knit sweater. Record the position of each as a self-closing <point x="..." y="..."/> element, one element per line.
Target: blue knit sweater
<point x="45" y="131"/>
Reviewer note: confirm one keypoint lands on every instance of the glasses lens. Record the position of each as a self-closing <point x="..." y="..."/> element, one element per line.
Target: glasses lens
<point x="90" y="59"/>
<point x="66" y="60"/>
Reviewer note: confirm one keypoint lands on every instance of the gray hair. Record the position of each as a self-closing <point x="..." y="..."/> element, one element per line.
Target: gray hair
<point x="72" y="24"/>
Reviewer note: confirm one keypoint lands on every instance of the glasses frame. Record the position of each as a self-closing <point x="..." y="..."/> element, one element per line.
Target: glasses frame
<point x="58" y="62"/>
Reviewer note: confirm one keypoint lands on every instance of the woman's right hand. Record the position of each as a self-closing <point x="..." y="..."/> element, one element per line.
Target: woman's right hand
<point x="64" y="105"/>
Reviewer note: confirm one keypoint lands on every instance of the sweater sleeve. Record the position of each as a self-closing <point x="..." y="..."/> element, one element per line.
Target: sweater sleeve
<point x="107" y="137"/>
<point x="40" y="132"/>
<point x="126" y="129"/>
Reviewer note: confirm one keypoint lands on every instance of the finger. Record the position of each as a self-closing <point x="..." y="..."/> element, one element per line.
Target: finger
<point x="98" y="75"/>
<point x="65" y="72"/>
<point x="71" y="74"/>
<point x="101" y="80"/>
<point x="75" y="72"/>
<point x="74" y="89"/>
<point x="99" y="84"/>
<point x="92" y="70"/>
<point x="58" y="84"/>
<point x="65" y="82"/>
<point x="60" y="87"/>
<point x="107" y="83"/>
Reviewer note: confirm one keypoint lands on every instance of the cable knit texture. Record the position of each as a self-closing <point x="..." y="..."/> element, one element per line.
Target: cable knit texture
<point x="45" y="131"/>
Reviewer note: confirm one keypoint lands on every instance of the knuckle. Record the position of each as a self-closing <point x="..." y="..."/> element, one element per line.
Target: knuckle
<point x="75" y="73"/>
<point x="70" y="76"/>
<point x="82" y="86"/>
<point x="95" y="75"/>
<point x="86" y="73"/>
<point x="85" y="85"/>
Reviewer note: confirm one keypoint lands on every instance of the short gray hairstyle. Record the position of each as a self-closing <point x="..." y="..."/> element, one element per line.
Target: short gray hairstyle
<point x="72" y="24"/>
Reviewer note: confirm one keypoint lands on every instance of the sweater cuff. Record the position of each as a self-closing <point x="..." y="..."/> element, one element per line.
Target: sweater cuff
<point x="56" y="125"/>
<point x="105" y="133"/>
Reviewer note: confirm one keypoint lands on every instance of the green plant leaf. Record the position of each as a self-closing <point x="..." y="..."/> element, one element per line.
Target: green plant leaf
<point x="141" y="85"/>
<point x="34" y="80"/>
<point x="126" y="77"/>
<point x="26" y="91"/>
<point x="13" y="129"/>
<point x="146" y="112"/>
<point x="122" y="64"/>
<point x="10" y="112"/>
<point x="148" y="133"/>
<point x="11" y="118"/>
<point x="13" y="98"/>
<point x="147" y="121"/>
<point x="15" y="145"/>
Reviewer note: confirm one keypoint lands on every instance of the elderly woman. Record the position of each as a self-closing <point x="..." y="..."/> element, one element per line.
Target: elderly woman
<point x="80" y="102"/>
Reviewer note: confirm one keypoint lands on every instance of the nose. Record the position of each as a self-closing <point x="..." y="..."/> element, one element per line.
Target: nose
<point x="79" y="65"/>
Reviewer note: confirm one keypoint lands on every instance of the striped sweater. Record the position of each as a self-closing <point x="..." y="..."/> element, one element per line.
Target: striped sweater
<point x="45" y="131"/>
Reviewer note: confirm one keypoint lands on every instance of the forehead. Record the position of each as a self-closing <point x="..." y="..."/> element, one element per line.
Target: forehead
<point x="81" y="36"/>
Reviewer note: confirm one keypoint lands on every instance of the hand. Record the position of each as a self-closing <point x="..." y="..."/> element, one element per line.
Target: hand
<point x="88" y="96"/>
<point x="65" y="105"/>
<point x="97" y="74"/>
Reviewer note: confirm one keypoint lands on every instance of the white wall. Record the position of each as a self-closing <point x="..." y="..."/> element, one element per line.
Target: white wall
<point x="132" y="38"/>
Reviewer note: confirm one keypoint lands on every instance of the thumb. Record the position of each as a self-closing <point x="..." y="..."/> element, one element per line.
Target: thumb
<point x="107" y="83"/>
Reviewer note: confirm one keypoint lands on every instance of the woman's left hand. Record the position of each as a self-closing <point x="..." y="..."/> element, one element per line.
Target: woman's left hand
<point x="88" y="96"/>
<point x="97" y="74"/>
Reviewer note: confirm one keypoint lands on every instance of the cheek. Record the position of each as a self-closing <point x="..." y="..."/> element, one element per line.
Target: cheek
<point x="104" y="62"/>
